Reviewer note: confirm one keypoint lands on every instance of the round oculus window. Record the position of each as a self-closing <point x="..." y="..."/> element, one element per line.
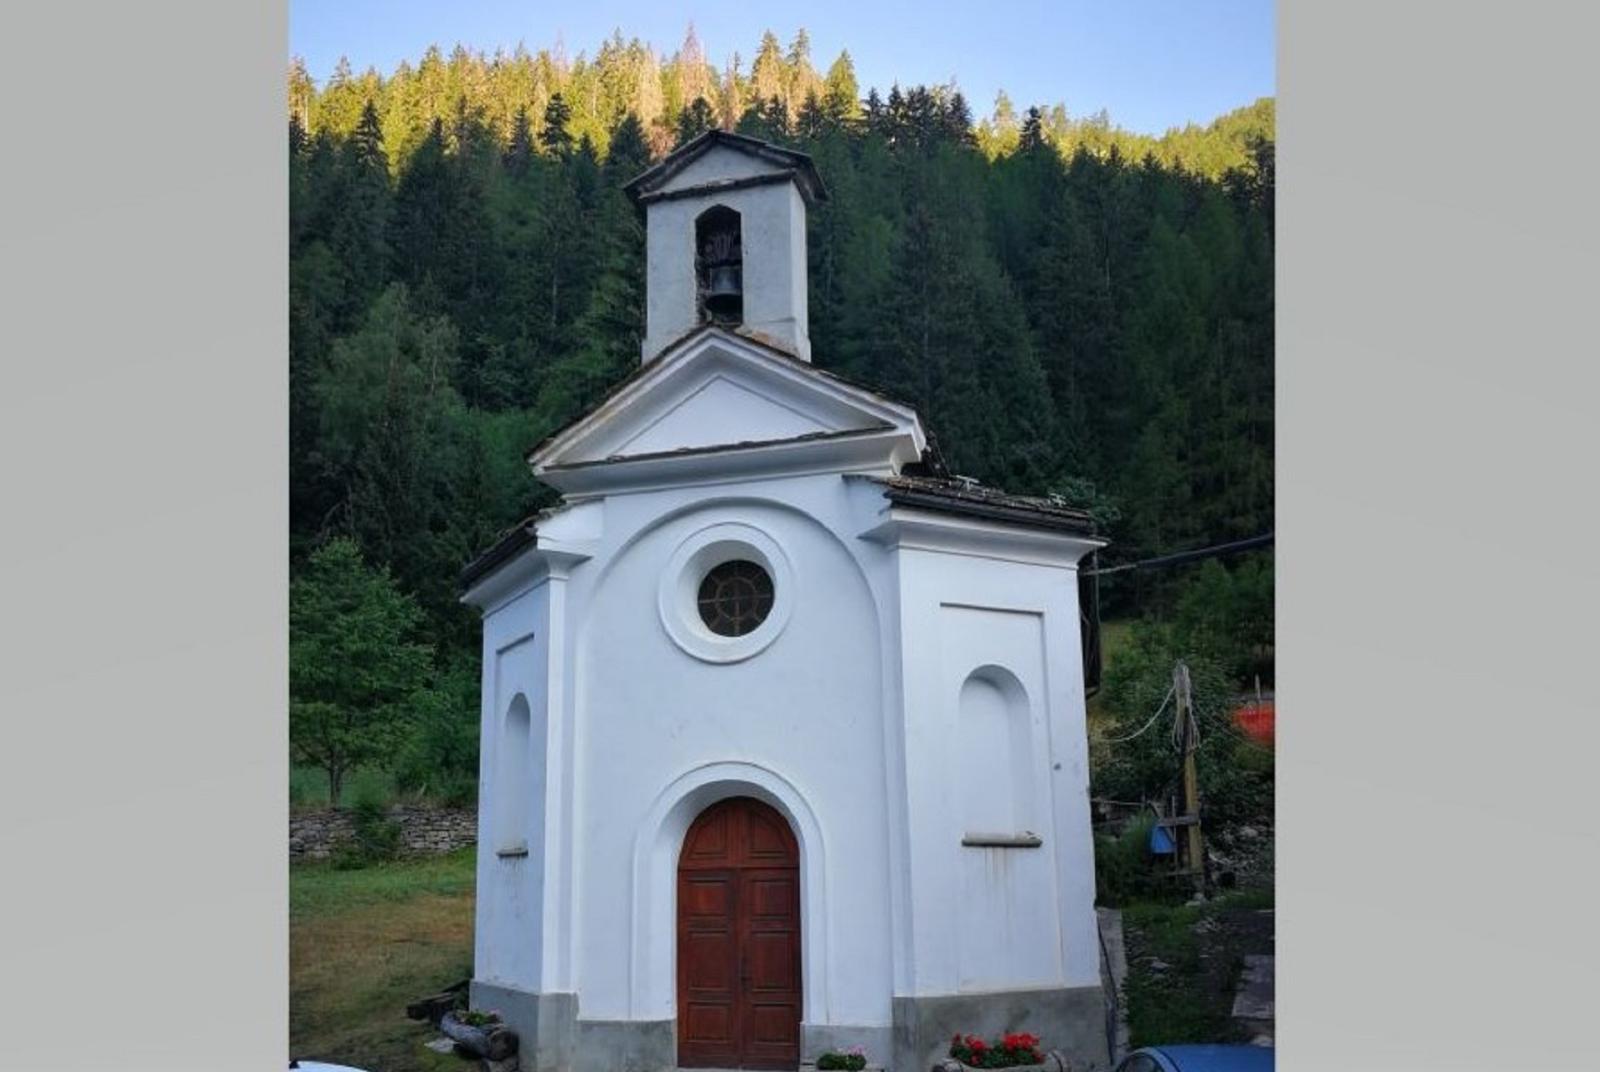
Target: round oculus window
<point x="727" y="592"/>
<point x="735" y="597"/>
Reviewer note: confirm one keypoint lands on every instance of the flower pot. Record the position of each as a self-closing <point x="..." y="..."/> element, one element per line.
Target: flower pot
<point x="1053" y="1062"/>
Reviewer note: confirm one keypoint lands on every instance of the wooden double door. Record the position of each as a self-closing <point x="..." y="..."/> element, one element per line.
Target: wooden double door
<point x="739" y="939"/>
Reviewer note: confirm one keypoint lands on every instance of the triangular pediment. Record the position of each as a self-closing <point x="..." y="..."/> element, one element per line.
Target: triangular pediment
<point x="715" y="394"/>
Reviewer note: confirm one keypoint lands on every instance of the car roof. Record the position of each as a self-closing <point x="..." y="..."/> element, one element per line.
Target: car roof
<point x="1216" y="1057"/>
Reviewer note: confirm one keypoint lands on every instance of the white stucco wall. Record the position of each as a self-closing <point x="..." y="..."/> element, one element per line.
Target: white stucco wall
<point x="805" y="710"/>
<point x="999" y="631"/>
<point x="917" y="689"/>
<point x="510" y="923"/>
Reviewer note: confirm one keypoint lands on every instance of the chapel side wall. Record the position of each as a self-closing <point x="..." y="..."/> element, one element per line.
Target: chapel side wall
<point x="994" y="736"/>
<point x="806" y="712"/>
<point x="509" y="924"/>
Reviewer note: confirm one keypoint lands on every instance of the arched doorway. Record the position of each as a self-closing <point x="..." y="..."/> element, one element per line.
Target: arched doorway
<point x="739" y="939"/>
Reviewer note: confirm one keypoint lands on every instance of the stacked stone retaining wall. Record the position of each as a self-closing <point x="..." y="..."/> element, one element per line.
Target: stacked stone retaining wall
<point x="425" y="830"/>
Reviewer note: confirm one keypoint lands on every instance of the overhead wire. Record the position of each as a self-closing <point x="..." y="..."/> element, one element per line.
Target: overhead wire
<point x="1166" y="700"/>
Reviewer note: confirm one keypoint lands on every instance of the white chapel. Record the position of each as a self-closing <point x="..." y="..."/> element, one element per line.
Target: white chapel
<point x="783" y="743"/>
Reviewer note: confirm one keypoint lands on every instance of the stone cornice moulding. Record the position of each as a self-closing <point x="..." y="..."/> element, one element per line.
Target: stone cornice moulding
<point x="928" y="530"/>
<point x="524" y="573"/>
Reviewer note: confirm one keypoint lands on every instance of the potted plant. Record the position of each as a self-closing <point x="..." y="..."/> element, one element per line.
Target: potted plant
<point x="481" y="1034"/>
<point x="1018" y="1050"/>
<point x="851" y="1060"/>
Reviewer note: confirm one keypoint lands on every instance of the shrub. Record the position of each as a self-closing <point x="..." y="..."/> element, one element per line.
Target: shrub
<point x="1125" y="870"/>
<point x="852" y="1060"/>
<point x="375" y="837"/>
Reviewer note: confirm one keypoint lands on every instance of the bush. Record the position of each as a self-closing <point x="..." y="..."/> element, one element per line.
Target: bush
<point x="850" y="1061"/>
<point x="375" y="836"/>
<point x="1125" y="870"/>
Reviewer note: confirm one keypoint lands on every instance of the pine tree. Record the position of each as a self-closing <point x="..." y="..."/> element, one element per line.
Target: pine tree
<point x="731" y="103"/>
<point x="800" y="78"/>
<point x="695" y="120"/>
<point x="841" y="95"/>
<point x="767" y="80"/>
<point x="1032" y="137"/>
<point x="520" y="151"/>
<point x="554" y="136"/>
<point x="694" y="77"/>
<point x="812" y="121"/>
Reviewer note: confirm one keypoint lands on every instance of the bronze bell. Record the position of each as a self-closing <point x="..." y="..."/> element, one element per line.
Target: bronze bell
<point x="724" y="291"/>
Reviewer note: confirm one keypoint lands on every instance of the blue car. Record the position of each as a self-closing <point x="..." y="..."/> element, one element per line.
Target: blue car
<point x="1209" y="1058"/>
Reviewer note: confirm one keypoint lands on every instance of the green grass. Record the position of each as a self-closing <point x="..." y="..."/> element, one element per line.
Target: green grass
<point x="1114" y="639"/>
<point x="363" y="944"/>
<point x="1192" y="998"/>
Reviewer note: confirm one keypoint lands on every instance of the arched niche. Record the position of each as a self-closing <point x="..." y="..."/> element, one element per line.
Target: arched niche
<point x="994" y="745"/>
<point x="519" y="785"/>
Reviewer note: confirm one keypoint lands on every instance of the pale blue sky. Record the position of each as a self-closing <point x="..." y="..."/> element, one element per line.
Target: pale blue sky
<point x="1151" y="63"/>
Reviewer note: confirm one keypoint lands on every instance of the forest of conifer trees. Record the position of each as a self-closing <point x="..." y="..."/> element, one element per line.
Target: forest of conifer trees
<point x="1074" y="308"/>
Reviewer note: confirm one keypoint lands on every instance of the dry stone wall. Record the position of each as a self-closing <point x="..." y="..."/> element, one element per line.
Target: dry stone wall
<point x="424" y="830"/>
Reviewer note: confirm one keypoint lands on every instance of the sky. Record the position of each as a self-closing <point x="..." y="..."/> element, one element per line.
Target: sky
<point x="1151" y="64"/>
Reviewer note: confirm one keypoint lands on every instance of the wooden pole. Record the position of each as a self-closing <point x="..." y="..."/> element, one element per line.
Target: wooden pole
<point x="1191" y="777"/>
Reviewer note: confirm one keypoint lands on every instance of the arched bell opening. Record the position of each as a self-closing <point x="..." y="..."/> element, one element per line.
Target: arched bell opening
<point x="719" y="265"/>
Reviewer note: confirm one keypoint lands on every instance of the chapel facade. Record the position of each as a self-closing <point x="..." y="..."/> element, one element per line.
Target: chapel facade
<point x="783" y="742"/>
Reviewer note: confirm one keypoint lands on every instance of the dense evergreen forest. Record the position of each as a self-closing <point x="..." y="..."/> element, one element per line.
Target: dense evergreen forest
<point x="1074" y="308"/>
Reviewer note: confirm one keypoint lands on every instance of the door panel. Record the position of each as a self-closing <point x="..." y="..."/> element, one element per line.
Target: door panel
<point x="739" y="998"/>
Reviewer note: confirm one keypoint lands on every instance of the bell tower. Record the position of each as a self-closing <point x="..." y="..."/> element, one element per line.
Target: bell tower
<point x="725" y="241"/>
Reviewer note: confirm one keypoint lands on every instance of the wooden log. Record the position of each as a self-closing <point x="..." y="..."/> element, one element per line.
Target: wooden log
<point x="433" y="1007"/>
<point x="493" y="1041"/>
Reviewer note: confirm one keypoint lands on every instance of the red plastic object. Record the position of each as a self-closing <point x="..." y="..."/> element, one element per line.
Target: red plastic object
<point x="1257" y="721"/>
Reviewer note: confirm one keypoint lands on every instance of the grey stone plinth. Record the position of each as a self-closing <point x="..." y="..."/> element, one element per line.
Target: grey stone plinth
<point x="1070" y="1021"/>
<point x="875" y="1040"/>
<point x="543" y="1023"/>
<point x="626" y="1046"/>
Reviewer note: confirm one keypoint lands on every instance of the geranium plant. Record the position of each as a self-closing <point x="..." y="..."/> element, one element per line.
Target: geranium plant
<point x="851" y="1060"/>
<point x="1006" y="1052"/>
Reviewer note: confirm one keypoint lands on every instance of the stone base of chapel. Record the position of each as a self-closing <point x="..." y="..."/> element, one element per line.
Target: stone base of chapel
<point x="552" y="1038"/>
<point x="1071" y="1020"/>
<point x="544" y="1023"/>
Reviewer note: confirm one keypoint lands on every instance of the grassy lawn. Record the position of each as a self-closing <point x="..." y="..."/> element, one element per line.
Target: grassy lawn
<point x="362" y="944"/>
<point x="308" y="786"/>
<point x="1184" y="963"/>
